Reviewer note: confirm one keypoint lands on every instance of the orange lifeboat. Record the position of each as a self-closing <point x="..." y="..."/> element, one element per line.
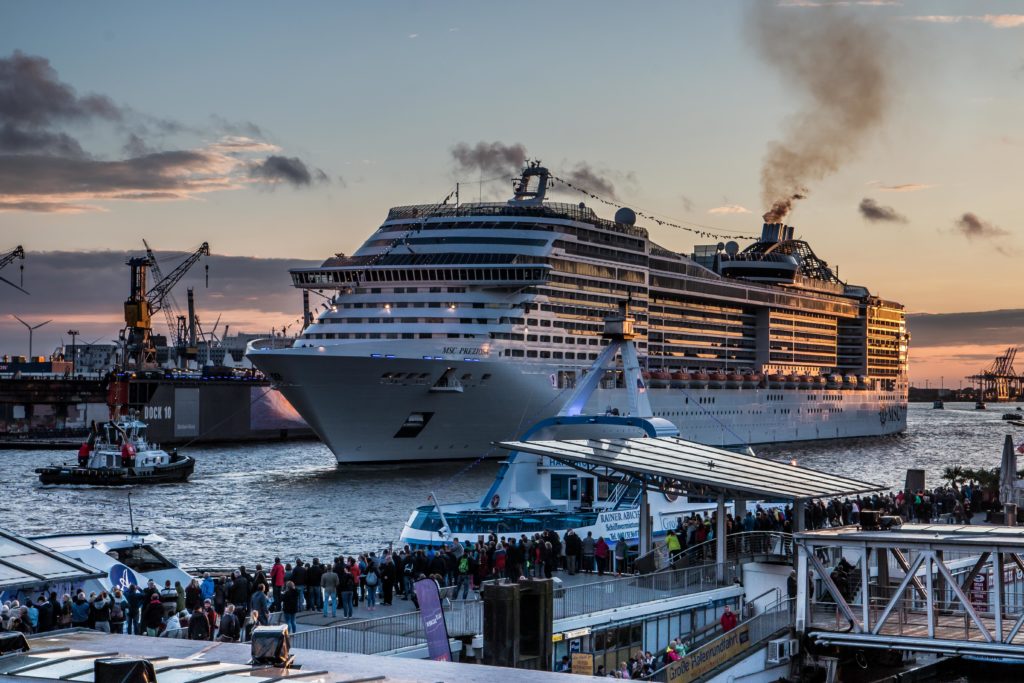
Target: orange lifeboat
<point x="659" y="379"/>
<point x="804" y="381"/>
<point x="733" y="380"/>
<point x="716" y="379"/>
<point x="699" y="379"/>
<point x="849" y="380"/>
<point x="820" y="381"/>
<point x="792" y="381"/>
<point x="750" y="380"/>
<point x="680" y="380"/>
<point x="775" y="381"/>
<point x="834" y="381"/>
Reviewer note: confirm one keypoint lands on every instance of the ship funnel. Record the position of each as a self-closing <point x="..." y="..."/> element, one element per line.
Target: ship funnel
<point x="776" y="232"/>
<point x="531" y="186"/>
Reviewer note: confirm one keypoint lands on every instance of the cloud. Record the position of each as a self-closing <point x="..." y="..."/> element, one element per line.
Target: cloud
<point x="414" y="35"/>
<point x="903" y="187"/>
<point x="972" y="227"/>
<point x="994" y="20"/>
<point x="291" y="170"/>
<point x="489" y="158"/>
<point x="872" y="211"/>
<point x="43" y="168"/>
<point x="687" y="203"/>
<point x="837" y="3"/>
<point x="975" y="327"/>
<point x="729" y="208"/>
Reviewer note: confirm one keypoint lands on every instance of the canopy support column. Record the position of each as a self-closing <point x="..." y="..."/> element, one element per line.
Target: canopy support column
<point x="720" y="549"/>
<point x="646" y="540"/>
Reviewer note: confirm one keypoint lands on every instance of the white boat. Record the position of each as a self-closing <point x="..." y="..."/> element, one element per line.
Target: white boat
<point x="127" y="558"/>
<point x="531" y="494"/>
<point x="454" y="326"/>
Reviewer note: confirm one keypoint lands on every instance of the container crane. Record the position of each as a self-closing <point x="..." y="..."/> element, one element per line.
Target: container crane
<point x="143" y="302"/>
<point x="9" y="258"/>
<point x="177" y="327"/>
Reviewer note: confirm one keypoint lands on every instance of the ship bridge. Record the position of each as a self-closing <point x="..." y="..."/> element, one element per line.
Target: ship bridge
<point x="952" y="590"/>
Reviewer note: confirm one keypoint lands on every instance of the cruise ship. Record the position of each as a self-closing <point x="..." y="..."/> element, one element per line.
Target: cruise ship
<point x="456" y="326"/>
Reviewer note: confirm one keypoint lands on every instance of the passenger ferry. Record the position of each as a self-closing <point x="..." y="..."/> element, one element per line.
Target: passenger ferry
<point x="453" y="327"/>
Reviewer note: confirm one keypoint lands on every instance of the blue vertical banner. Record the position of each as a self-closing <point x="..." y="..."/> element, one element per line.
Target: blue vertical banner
<point x="432" y="614"/>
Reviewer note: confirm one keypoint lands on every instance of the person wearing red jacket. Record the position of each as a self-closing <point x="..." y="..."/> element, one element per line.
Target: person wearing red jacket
<point x="728" y="619"/>
<point x="277" y="580"/>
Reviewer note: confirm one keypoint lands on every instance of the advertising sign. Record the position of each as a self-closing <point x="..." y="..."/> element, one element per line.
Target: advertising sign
<point x="583" y="663"/>
<point x="710" y="656"/>
<point x="122" y="577"/>
<point x="433" y="620"/>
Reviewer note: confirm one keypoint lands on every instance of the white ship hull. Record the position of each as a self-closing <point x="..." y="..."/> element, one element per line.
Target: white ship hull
<point x="356" y="405"/>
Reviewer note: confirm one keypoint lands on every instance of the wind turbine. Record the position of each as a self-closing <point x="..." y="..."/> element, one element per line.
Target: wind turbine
<point x="31" y="329"/>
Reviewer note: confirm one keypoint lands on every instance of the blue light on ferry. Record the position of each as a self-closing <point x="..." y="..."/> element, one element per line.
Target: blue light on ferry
<point x="438" y="357"/>
<point x="375" y="355"/>
<point x="390" y="355"/>
<point x="428" y="358"/>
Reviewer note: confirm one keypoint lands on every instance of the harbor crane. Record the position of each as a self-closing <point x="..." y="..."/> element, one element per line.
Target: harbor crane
<point x="143" y="302"/>
<point x="999" y="381"/>
<point x="9" y="258"/>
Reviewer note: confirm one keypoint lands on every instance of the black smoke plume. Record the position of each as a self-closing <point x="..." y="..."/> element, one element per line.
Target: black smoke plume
<point x="872" y="211"/>
<point x="972" y="227"/>
<point x="585" y="176"/>
<point x="489" y="158"/>
<point x="291" y="170"/>
<point x="840" y="63"/>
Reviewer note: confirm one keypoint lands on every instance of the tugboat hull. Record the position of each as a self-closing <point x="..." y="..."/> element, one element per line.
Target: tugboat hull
<point x="177" y="471"/>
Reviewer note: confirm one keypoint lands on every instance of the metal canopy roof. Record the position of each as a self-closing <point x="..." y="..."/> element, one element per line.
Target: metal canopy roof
<point x="673" y="463"/>
<point x="24" y="562"/>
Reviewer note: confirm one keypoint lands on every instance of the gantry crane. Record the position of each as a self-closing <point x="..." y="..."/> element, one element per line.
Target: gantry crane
<point x="9" y="258"/>
<point x="143" y="302"/>
<point x="999" y="381"/>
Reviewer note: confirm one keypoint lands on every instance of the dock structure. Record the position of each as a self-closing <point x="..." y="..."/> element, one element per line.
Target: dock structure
<point x="676" y="466"/>
<point x="999" y="381"/>
<point x="939" y="588"/>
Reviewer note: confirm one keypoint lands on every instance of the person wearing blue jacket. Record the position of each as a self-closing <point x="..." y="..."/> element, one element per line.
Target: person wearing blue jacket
<point x="207" y="587"/>
<point x="80" y="611"/>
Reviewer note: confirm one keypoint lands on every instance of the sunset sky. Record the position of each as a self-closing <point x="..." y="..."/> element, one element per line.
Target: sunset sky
<point x="281" y="133"/>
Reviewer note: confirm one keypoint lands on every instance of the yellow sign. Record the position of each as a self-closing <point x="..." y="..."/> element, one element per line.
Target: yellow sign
<point x="709" y="657"/>
<point x="583" y="663"/>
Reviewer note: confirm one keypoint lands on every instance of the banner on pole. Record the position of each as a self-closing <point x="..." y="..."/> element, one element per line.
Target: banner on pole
<point x="434" y="625"/>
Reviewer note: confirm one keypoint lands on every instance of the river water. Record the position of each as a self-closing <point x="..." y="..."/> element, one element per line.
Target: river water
<point x="248" y="503"/>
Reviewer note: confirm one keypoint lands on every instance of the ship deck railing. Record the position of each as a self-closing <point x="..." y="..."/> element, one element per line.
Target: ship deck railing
<point x="465" y="617"/>
<point x="746" y="545"/>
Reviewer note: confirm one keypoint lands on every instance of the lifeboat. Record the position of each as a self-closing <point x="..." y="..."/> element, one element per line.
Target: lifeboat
<point x="792" y="381"/>
<point x="733" y="380"/>
<point x="699" y="380"/>
<point x="750" y="380"/>
<point x="834" y="381"/>
<point x="659" y="379"/>
<point x="776" y="381"/>
<point x="849" y="380"/>
<point x="680" y="380"/>
<point x="820" y="381"/>
<point x="804" y="381"/>
<point x="862" y="381"/>
<point x="716" y="379"/>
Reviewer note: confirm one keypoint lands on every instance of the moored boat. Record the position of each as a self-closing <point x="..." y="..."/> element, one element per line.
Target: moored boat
<point x="118" y="454"/>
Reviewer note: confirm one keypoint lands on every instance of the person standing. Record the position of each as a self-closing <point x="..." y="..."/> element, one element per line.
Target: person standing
<point x="45" y="619"/>
<point x="601" y="555"/>
<point x="589" y="545"/>
<point x="153" y="616"/>
<point x="136" y="601"/>
<point x="728" y="619"/>
<point x="207" y="588"/>
<point x="118" y="611"/>
<point x="299" y="579"/>
<point x="259" y="605"/>
<point x="290" y="605"/>
<point x="621" y="551"/>
<point x="230" y="629"/>
<point x="347" y="591"/>
<point x="193" y="596"/>
<point x="372" y="581"/>
<point x="388" y="575"/>
<point x="198" y="626"/>
<point x="314" y="596"/>
<point x="277" y="580"/>
<point x="329" y="585"/>
<point x="573" y="548"/>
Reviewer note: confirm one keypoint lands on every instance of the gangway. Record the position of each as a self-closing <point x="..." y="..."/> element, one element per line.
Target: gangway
<point x="959" y="590"/>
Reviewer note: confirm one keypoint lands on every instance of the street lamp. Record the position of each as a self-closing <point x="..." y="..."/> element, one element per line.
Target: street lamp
<point x="74" y="356"/>
<point x="31" y="329"/>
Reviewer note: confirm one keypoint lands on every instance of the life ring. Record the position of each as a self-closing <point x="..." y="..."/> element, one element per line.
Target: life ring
<point x="495" y="500"/>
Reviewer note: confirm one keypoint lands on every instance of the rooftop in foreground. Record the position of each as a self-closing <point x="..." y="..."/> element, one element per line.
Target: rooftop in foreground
<point x="72" y="655"/>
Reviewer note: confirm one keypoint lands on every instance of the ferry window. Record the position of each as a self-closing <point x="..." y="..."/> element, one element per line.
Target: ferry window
<point x="142" y="559"/>
<point x="556" y="354"/>
<point x="516" y="353"/>
<point x="570" y="355"/>
<point x="545" y="323"/>
<point x="560" y="486"/>
<point x="486" y="376"/>
<point x="545" y="338"/>
<point x="467" y="376"/>
<point x="531" y="354"/>
<point x="531" y="321"/>
<point x="545" y="354"/>
<point x="531" y="337"/>
<point x="435" y="290"/>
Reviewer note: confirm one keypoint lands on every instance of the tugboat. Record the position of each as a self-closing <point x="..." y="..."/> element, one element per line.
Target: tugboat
<point x="120" y="456"/>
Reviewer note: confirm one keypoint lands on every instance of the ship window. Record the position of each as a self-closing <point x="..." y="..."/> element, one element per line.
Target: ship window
<point x="531" y="337"/>
<point x="545" y="323"/>
<point x="570" y="355"/>
<point x="531" y="354"/>
<point x="516" y="353"/>
<point x="560" y="486"/>
<point x="556" y="354"/>
<point x="487" y="375"/>
<point x="545" y="354"/>
<point x="468" y="376"/>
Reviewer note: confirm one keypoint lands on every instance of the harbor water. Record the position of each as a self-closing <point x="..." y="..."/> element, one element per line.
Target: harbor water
<point x="250" y="502"/>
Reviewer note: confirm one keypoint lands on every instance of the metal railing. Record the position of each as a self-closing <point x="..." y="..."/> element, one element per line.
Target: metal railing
<point x="761" y="628"/>
<point x="745" y="544"/>
<point x="465" y="618"/>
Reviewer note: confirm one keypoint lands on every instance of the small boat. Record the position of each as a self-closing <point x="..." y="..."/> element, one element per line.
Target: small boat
<point x="938" y="405"/>
<point x="1011" y="416"/>
<point x="980" y="405"/>
<point x="118" y="454"/>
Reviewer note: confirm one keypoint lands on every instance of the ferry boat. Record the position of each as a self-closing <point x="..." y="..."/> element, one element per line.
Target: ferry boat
<point x="453" y="327"/>
<point x="126" y="557"/>
<point x="531" y="494"/>
<point x="120" y="455"/>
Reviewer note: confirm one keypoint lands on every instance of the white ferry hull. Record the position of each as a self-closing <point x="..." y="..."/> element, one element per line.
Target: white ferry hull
<point x="357" y="407"/>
